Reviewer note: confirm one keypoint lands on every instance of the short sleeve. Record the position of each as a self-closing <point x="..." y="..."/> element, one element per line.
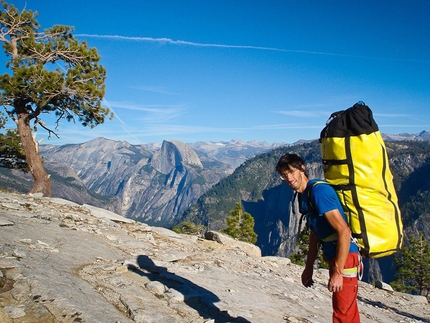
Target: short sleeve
<point x="324" y="198"/>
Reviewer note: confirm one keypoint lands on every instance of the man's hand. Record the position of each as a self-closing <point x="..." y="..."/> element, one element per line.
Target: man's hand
<point x="334" y="217"/>
<point x="307" y="280"/>
<point x="335" y="282"/>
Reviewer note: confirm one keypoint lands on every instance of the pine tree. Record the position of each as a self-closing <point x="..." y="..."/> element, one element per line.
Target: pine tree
<point x="49" y="72"/>
<point x="413" y="267"/>
<point x="11" y="152"/>
<point x="240" y="225"/>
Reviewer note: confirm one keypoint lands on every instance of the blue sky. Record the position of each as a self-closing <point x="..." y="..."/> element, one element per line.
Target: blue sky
<point x="252" y="70"/>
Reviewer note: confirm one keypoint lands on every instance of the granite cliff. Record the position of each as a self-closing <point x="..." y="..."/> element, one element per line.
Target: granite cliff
<point x="153" y="187"/>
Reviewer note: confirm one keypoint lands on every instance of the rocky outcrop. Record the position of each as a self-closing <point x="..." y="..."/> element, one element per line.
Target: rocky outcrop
<point x="172" y="155"/>
<point x="249" y="249"/>
<point x="64" y="262"/>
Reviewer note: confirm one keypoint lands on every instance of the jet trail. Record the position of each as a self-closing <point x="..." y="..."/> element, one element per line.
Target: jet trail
<point x="189" y="43"/>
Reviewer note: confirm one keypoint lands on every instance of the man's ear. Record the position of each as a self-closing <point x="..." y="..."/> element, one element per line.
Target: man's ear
<point x="303" y="169"/>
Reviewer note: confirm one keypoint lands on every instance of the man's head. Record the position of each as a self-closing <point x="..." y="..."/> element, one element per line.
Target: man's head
<point x="292" y="169"/>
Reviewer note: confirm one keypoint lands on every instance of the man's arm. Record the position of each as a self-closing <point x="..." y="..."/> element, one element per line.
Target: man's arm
<point x="344" y="235"/>
<point x="310" y="260"/>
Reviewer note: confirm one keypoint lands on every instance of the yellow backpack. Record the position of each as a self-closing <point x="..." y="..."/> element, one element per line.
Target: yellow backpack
<point x="355" y="164"/>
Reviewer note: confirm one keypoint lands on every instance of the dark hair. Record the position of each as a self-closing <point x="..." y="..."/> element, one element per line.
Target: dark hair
<point x="290" y="160"/>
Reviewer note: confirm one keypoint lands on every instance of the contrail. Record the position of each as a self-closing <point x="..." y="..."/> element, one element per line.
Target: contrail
<point x="182" y="42"/>
<point x="189" y="43"/>
<point x="121" y="122"/>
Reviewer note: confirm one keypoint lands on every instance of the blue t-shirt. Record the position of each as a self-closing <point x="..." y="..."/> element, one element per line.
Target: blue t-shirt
<point x="324" y="199"/>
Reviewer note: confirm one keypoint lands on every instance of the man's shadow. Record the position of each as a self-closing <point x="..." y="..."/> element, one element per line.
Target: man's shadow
<point x="197" y="297"/>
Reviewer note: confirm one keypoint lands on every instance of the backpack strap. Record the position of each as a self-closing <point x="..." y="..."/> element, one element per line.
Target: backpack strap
<point x="296" y="196"/>
<point x="310" y="204"/>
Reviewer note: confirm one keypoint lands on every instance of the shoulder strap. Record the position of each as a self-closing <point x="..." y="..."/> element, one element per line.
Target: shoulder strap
<point x="310" y="204"/>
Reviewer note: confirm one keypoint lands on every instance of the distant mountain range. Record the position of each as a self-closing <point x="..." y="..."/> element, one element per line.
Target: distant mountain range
<point x="422" y="136"/>
<point x="232" y="153"/>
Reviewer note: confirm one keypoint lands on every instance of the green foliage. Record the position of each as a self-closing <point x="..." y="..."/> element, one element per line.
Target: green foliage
<point x="189" y="228"/>
<point x="299" y="258"/>
<point x="416" y="206"/>
<point x="410" y="165"/>
<point x="413" y="267"/>
<point x="3" y="120"/>
<point x="11" y="152"/>
<point x="302" y="244"/>
<point x="410" y="152"/>
<point x="2" y="279"/>
<point x="240" y="225"/>
<point x="49" y="72"/>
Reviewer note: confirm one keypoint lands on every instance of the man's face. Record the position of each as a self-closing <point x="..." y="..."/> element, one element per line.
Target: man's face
<point x="293" y="177"/>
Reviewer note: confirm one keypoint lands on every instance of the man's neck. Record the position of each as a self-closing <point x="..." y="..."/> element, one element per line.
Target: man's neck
<point x="303" y="185"/>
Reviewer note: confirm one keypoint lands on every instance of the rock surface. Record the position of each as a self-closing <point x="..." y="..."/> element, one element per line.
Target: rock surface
<point x="64" y="262"/>
<point x="174" y="154"/>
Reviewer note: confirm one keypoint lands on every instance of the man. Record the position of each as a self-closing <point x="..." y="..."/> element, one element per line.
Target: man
<point x="327" y="222"/>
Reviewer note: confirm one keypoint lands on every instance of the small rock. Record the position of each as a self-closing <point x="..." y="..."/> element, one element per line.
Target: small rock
<point x="36" y="195"/>
<point x="26" y="241"/>
<point x="15" y="312"/>
<point x="4" y="222"/>
<point x="11" y="206"/>
<point x="19" y="254"/>
<point x="175" y="296"/>
<point x="156" y="287"/>
<point x="384" y="286"/>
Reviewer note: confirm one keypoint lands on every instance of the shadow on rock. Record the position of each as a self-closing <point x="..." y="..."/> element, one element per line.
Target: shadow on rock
<point x="395" y="310"/>
<point x="195" y="296"/>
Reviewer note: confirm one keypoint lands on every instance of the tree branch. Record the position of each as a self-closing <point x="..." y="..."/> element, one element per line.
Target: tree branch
<point x="43" y="125"/>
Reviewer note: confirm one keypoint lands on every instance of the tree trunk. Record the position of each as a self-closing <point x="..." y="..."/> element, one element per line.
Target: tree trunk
<point x="42" y="182"/>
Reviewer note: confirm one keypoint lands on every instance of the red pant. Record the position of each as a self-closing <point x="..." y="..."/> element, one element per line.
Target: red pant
<point x="345" y="308"/>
